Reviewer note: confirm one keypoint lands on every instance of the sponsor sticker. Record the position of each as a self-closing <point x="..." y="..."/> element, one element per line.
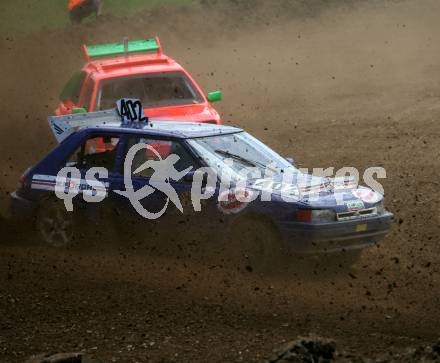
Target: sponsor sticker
<point x="270" y="185"/>
<point x="354" y="205"/>
<point x="367" y="195"/>
<point x="74" y="185"/>
<point x="231" y="202"/>
<point x="344" y="183"/>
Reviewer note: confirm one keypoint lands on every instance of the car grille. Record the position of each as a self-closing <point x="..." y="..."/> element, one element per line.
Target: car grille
<point x="344" y="216"/>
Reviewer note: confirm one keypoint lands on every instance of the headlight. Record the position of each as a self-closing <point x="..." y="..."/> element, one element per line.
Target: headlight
<point x="380" y="207"/>
<point x="315" y="215"/>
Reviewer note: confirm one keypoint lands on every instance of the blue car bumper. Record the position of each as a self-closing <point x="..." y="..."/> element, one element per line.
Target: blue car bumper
<point x="317" y="238"/>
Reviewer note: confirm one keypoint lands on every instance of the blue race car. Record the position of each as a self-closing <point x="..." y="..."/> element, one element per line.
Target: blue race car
<point x="217" y="177"/>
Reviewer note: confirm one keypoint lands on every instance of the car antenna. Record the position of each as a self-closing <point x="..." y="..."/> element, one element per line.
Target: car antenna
<point x="125" y="41"/>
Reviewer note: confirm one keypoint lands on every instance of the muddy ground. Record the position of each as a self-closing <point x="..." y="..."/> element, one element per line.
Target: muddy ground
<point x="343" y="84"/>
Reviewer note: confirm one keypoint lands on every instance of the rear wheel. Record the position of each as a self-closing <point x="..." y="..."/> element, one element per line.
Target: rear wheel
<point x="55" y="225"/>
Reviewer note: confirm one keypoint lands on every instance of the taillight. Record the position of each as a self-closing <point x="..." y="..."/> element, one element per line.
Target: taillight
<point x="22" y="181"/>
<point x="304" y="215"/>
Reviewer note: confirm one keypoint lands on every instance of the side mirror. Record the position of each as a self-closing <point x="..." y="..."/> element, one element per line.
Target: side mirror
<point x="291" y="161"/>
<point x="215" y="96"/>
<point x="79" y="110"/>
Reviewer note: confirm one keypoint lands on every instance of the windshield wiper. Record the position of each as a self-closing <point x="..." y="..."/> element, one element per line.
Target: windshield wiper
<point x="244" y="160"/>
<point x="235" y="157"/>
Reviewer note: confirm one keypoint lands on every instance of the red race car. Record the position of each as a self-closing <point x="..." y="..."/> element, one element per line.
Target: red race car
<point x="138" y="70"/>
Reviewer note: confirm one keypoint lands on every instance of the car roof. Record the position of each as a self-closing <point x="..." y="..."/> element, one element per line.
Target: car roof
<point x="110" y="120"/>
<point x="169" y="129"/>
<point x="122" y="66"/>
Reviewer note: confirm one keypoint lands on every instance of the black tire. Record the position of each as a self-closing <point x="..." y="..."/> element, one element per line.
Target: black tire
<point x="253" y="244"/>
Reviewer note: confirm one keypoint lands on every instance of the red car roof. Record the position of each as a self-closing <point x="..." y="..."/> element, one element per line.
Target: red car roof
<point x="133" y="64"/>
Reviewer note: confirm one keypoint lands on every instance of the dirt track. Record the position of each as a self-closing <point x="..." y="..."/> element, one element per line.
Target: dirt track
<point x="350" y="85"/>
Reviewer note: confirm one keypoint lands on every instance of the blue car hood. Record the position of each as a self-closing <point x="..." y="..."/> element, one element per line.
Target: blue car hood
<point x="314" y="191"/>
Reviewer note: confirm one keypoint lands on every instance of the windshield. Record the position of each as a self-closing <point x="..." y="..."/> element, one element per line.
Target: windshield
<point x="242" y="151"/>
<point x="154" y="90"/>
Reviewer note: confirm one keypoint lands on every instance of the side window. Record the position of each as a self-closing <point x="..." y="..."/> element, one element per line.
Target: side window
<point x="86" y="96"/>
<point x="96" y="151"/>
<point x="72" y="89"/>
<point x="162" y="149"/>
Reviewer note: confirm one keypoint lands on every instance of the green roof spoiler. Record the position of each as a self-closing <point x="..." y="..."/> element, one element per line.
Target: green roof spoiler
<point x="125" y="48"/>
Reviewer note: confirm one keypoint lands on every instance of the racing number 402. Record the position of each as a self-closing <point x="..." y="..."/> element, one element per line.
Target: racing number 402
<point x="131" y="110"/>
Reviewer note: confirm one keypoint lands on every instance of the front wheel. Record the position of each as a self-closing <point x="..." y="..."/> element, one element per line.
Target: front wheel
<point x="254" y="244"/>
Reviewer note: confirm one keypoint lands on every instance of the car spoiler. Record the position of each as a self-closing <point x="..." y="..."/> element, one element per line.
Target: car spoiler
<point x="126" y="48"/>
<point x="64" y="126"/>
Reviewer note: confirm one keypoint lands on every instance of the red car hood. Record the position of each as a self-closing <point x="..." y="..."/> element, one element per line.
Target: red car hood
<point x="195" y="113"/>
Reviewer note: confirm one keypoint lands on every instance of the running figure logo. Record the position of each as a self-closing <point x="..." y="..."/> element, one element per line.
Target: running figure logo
<point x="164" y="172"/>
